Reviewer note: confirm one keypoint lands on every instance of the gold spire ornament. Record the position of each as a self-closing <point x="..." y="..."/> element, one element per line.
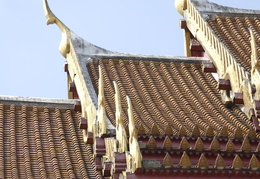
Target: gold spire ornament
<point x="237" y="163"/>
<point x="219" y="163"/>
<point x="230" y="147"/>
<point x="196" y="131"/>
<point x="185" y="161"/>
<point x="151" y="144"/>
<point x="210" y="132"/>
<point x="199" y="145"/>
<point x="155" y="130"/>
<point x="167" y="161"/>
<point x="254" y="163"/>
<point x="215" y="144"/>
<point x="184" y="144"/>
<point x="251" y="133"/>
<point x="183" y="131"/>
<point x="224" y="132"/>
<point x="168" y="130"/>
<point x="141" y="130"/>
<point x="203" y="162"/>
<point x="238" y="133"/>
<point x="167" y="144"/>
<point x="246" y="147"/>
<point x="258" y="148"/>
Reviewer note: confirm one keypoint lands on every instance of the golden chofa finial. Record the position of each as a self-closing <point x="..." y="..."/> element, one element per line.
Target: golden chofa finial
<point x="48" y="13"/>
<point x="52" y="19"/>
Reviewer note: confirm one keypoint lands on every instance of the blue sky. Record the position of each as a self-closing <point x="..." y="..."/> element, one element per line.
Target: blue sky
<point x="31" y="64"/>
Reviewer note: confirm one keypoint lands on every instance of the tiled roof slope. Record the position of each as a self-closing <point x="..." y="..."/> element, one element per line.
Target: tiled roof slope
<point x="42" y="141"/>
<point x="232" y="30"/>
<point x="184" y="129"/>
<point x="171" y="94"/>
<point x="230" y="37"/>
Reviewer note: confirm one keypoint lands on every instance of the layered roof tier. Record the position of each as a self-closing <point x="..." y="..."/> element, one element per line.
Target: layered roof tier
<point x="146" y="116"/>
<point x="40" y="138"/>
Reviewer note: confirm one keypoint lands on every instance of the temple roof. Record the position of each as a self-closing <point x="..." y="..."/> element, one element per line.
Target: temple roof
<point x="231" y="26"/>
<point x="146" y="116"/>
<point x="175" y="93"/>
<point x="40" y="138"/>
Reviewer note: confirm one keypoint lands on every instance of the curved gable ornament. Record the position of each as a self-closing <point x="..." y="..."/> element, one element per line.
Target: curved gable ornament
<point x="52" y="19"/>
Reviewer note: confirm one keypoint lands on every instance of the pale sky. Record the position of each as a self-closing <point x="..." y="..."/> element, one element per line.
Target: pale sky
<point x="31" y="64"/>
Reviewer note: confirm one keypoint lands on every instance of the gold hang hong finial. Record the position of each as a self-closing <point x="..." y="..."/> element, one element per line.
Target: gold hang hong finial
<point x="255" y="76"/>
<point x="120" y="129"/>
<point x="133" y="139"/>
<point x="101" y="114"/>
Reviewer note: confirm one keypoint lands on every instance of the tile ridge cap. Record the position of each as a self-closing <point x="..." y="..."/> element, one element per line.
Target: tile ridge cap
<point x="205" y="5"/>
<point x="34" y="101"/>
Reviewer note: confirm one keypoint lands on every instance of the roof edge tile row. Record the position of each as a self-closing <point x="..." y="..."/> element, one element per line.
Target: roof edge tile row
<point x="30" y="101"/>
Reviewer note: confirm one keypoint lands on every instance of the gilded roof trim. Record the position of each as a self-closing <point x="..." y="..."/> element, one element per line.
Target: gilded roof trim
<point x="196" y="13"/>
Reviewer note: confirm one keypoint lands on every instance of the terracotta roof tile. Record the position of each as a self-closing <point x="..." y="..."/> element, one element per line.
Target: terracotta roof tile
<point x="233" y="32"/>
<point x="168" y="94"/>
<point x="43" y="142"/>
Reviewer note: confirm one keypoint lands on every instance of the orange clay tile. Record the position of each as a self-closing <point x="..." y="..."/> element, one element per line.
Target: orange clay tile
<point x="46" y="142"/>
<point x="168" y="93"/>
<point x="234" y="34"/>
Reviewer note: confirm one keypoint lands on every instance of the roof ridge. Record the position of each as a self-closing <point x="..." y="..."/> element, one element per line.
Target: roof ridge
<point x="86" y="49"/>
<point x="33" y="101"/>
<point x="208" y="6"/>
